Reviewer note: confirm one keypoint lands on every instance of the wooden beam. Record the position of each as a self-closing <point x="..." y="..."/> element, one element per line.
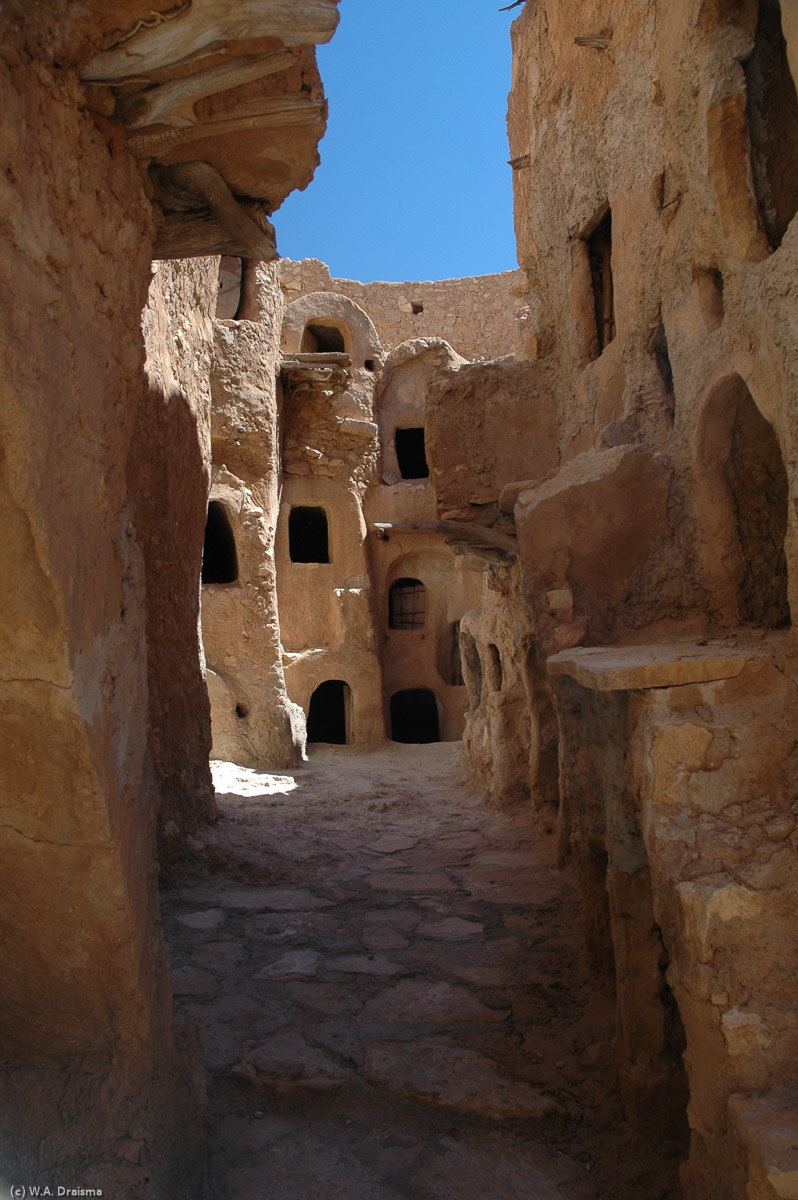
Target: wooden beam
<point x="253" y="114"/>
<point x="225" y="227"/>
<point x="167" y="37"/>
<point x="173" y="103"/>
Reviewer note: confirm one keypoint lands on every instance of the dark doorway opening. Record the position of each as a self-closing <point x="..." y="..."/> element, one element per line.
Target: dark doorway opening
<point x="328" y="714"/>
<point x="414" y="716"/>
<point x="599" y="246"/>
<point x="411" y="454"/>
<point x="772" y="124"/>
<point x="323" y="339"/>
<point x="407" y="602"/>
<point x="219" y="557"/>
<point x="307" y="535"/>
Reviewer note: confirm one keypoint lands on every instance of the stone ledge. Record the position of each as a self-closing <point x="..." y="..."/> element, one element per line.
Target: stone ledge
<point x="768" y="1126"/>
<point x="632" y="668"/>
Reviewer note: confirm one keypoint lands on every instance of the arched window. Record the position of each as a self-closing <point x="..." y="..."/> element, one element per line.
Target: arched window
<point x="406" y="604"/>
<point x="308" y="540"/>
<point x="328" y="713"/>
<point x="219" y="557"/>
<point x="319" y="338"/>
<point x="414" y="716"/>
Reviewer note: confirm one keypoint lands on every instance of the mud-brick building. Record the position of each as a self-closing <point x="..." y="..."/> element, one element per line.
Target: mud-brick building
<point x="364" y="594"/>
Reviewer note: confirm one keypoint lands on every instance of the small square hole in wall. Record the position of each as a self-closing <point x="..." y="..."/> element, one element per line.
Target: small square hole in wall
<point x="416" y="307"/>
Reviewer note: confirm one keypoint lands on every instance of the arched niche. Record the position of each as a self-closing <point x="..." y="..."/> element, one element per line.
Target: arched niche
<point x="743" y="508"/>
<point x="316" y="323"/>
<point x="325" y="336"/>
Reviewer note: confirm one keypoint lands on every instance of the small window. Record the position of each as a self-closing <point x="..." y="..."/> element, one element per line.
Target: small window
<point x="323" y="339"/>
<point x="406" y="604"/>
<point x="600" y="254"/>
<point x="219" y="557"/>
<point x="411" y="453"/>
<point x="307" y="535"/>
<point x="416" y="307"/>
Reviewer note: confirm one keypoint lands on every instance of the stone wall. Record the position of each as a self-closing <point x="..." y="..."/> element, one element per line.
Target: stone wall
<point x="480" y="316"/>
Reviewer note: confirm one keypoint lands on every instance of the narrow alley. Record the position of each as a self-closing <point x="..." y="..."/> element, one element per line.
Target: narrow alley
<point x="389" y="982"/>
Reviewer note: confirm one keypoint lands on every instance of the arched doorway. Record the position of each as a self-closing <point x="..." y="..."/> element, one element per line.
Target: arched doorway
<point x="328" y="713"/>
<point x="414" y="716"/>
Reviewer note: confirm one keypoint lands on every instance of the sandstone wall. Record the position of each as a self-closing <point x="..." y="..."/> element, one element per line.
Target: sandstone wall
<point x="481" y="316"/>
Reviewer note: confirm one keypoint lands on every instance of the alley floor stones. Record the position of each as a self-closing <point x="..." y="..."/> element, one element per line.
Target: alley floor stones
<point x="388" y="979"/>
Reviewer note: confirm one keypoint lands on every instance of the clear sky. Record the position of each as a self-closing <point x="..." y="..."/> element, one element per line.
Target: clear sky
<point x="414" y="182"/>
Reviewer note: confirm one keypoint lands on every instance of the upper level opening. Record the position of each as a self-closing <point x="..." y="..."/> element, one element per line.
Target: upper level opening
<point x="320" y="338"/>
<point x="599" y="247"/>
<point x="219" y="556"/>
<point x="308" y="535"/>
<point x="411" y="454"/>
<point x="407" y="603"/>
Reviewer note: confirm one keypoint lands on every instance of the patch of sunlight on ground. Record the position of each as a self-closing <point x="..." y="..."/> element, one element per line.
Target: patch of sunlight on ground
<point x="244" y="781"/>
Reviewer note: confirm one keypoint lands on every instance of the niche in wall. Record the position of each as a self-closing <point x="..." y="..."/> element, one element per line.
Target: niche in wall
<point x="308" y="535"/>
<point x="411" y="454"/>
<point x="757" y="482"/>
<point x="599" y="249"/>
<point x="414" y="716"/>
<point x="319" y="338"/>
<point x="472" y="670"/>
<point x="772" y="109"/>
<point x="407" y="604"/>
<point x="744" y="507"/>
<point x="219" y="556"/>
<point x="328" y="713"/>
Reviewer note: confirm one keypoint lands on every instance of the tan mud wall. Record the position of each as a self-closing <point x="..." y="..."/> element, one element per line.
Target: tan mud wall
<point x="480" y="316"/>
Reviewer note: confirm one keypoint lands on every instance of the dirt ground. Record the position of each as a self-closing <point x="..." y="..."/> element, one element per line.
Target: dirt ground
<point x="389" y="983"/>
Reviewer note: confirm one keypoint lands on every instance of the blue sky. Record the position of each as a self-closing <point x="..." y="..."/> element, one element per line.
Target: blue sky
<point x="414" y="182"/>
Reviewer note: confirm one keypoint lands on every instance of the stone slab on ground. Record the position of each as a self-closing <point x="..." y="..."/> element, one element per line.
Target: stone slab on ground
<point x="287" y="1061"/>
<point x="426" y="1001"/>
<point x="454" y="1077"/>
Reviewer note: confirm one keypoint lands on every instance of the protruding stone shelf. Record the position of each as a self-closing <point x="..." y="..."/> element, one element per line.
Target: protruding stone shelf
<point x="631" y="668"/>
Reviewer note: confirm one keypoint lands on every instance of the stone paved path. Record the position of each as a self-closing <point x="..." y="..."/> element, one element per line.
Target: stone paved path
<point x="388" y="982"/>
